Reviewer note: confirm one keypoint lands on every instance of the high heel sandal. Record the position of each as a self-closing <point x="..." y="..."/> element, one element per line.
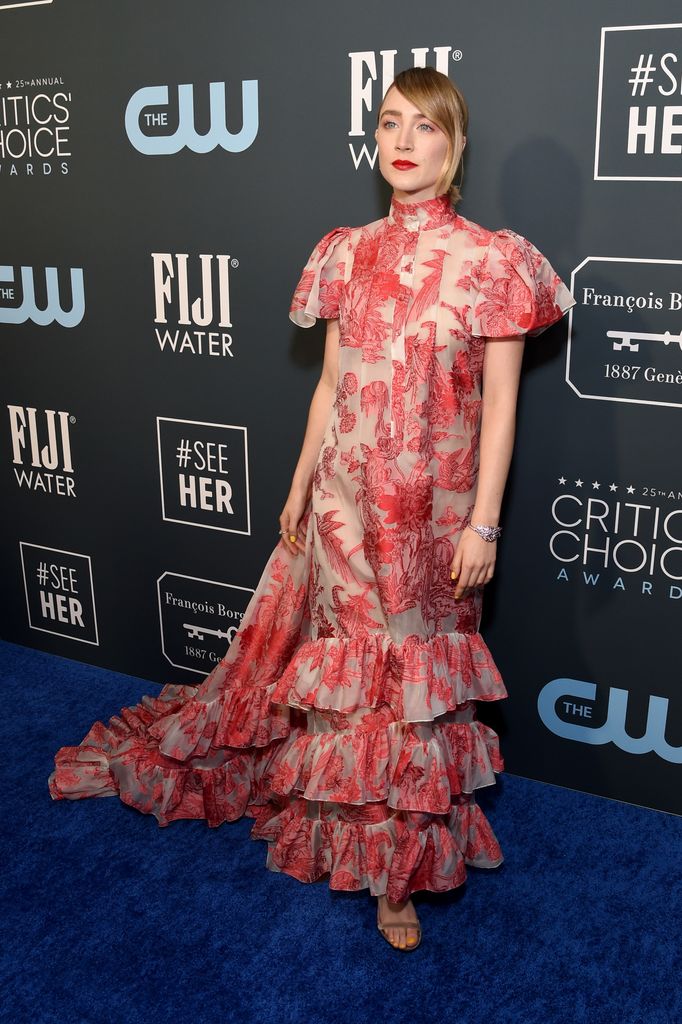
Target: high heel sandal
<point x="383" y="929"/>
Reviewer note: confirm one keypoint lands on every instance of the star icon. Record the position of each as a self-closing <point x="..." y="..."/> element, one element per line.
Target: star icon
<point x="595" y="485"/>
<point x="613" y="487"/>
<point x="631" y="489"/>
<point x="578" y="483"/>
<point x="9" y="85"/>
<point x="562" y="480"/>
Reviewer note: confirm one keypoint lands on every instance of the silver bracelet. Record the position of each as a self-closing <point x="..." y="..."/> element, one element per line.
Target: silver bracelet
<point x="490" y="533"/>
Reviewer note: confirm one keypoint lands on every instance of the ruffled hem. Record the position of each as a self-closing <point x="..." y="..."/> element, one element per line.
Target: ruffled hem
<point x="119" y="760"/>
<point x="396" y="856"/>
<point x="411" y="768"/>
<point x="419" y="679"/>
<point x="240" y="716"/>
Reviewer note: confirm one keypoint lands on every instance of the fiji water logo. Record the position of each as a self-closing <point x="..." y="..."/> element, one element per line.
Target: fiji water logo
<point x="149" y="127"/>
<point x="573" y="699"/>
<point x="369" y="67"/>
<point x="53" y="311"/>
<point x="190" y="298"/>
<point x="41" y="450"/>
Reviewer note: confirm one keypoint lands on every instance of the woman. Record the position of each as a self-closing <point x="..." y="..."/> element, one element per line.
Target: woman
<point x="343" y="716"/>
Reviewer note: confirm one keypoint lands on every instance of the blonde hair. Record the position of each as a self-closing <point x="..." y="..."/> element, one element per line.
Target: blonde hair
<point x="442" y="102"/>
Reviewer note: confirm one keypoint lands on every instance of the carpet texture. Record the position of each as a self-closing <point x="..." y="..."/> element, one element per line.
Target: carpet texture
<point x="109" y="919"/>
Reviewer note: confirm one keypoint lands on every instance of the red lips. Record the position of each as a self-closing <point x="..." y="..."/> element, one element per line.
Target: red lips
<point x="403" y="165"/>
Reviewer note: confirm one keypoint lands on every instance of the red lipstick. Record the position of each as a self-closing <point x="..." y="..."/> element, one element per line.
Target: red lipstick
<point x="403" y="165"/>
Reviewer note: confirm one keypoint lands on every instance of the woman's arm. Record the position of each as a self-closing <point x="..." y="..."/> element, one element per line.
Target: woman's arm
<point x="474" y="560"/>
<point x="318" y="417"/>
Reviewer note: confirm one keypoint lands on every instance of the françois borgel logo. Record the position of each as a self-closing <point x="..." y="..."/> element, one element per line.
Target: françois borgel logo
<point x="608" y="534"/>
<point x="19" y="301"/>
<point x="371" y="73"/>
<point x="155" y="126"/>
<point x="192" y="303"/>
<point x="204" y="474"/>
<point x="35" y="125"/>
<point x="199" y="619"/>
<point x="41" y="450"/>
<point x="625" y="331"/>
<point x="60" y="598"/>
<point x="639" y="116"/>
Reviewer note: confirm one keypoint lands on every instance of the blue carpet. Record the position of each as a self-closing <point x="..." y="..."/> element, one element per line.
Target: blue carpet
<point x="109" y="919"/>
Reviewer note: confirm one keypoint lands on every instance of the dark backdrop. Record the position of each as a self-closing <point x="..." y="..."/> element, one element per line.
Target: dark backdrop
<point x="123" y="391"/>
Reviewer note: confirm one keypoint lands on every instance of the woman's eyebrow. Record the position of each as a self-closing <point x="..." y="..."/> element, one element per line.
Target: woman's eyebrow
<point x="397" y="113"/>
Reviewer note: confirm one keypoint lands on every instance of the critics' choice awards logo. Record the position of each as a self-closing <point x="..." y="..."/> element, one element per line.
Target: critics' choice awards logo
<point x="155" y="126"/>
<point x="199" y="619"/>
<point x="639" y="109"/>
<point x="60" y="598"/>
<point x="41" y="450"/>
<point x="193" y="300"/>
<point x="625" y="331"/>
<point x="19" y="303"/>
<point x="605" y="534"/>
<point x="35" y="126"/>
<point x="571" y="708"/>
<point x="371" y="73"/>
<point x="204" y="474"/>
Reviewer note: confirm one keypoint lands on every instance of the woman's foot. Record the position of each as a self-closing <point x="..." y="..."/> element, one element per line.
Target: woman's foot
<point x="398" y="922"/>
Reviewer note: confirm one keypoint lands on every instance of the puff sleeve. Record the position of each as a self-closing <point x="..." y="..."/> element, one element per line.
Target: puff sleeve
<point x="318" y="292"/>
<point x="518" y="291"/>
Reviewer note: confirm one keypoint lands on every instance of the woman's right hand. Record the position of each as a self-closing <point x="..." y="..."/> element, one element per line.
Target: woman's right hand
<point x="291" y="516"/>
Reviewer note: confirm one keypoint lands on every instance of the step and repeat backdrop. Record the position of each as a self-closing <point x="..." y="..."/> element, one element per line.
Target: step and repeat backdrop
<point x="165" y="170"/>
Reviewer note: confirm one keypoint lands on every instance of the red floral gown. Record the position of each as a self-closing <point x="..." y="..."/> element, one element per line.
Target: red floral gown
<point x="343" y="716"/>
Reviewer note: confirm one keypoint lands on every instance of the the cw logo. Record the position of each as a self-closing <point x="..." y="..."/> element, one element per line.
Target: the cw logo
<point x="28" y="310"/>
<point x="573" y="693"/>
<point x="185" y="135"/>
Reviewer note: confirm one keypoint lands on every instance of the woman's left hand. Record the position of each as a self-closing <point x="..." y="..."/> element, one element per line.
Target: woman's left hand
<point x="474" y="562"/>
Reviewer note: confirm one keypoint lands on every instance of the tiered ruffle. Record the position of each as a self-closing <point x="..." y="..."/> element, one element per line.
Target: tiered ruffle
<point x="382" y="738"/>
<point x="398" y="855"/>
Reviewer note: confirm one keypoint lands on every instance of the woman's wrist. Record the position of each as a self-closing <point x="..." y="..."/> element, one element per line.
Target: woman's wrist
<point x="485" y="518"/>
<point x="300" y="484"/>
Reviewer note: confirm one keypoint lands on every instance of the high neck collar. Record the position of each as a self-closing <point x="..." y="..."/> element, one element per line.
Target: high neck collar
<point x="422" y="215"/>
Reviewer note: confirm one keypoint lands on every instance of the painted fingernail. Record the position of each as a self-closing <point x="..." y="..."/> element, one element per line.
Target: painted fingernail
<point x="292" y="537"/>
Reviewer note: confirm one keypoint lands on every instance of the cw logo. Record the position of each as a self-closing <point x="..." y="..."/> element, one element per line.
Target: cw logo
<point x="613" y="729"/>
<point x="186" y="135"/>
<point x="28" y="310"/>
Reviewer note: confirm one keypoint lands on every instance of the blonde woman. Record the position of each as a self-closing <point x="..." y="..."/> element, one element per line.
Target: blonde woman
<point x="343" y="716"/>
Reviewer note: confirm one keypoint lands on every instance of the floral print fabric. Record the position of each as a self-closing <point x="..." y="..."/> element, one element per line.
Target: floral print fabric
<point x="343" y="716"/>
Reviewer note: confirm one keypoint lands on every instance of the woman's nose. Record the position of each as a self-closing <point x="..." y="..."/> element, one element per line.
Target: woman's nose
<point x="404" y="140"/>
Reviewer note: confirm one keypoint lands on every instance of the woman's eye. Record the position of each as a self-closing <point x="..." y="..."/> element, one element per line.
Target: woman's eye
<point x="425" y="125"/>
<point x="388" y="124"/>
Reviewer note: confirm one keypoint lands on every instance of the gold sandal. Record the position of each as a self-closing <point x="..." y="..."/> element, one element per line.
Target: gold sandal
<point x="383" y="929"/>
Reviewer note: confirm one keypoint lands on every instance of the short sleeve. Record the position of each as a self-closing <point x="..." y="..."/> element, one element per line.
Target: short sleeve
<point x="518" y="291"/>
<point x="318" y="293"/>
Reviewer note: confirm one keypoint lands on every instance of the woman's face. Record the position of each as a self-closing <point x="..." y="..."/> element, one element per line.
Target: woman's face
<point x="412" y="149"/>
